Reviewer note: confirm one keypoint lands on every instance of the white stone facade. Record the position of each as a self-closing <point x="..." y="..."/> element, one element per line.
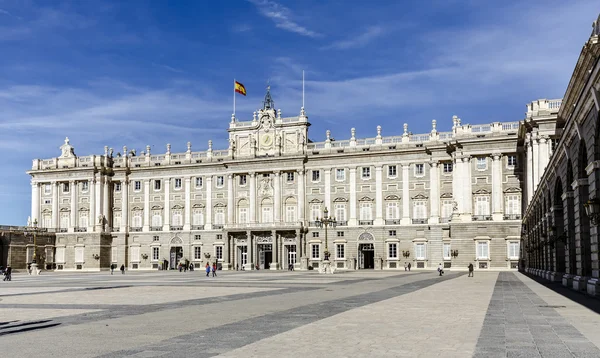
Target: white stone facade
<point x="442" y="197"/>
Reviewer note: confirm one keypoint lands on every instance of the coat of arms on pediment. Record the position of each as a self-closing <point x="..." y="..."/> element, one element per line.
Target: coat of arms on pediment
<point x="265" y="188"/>
<point x="513" y="190"/>
<point x="481" y="192"/>
<point x="419" y="197"/>
<point x="446" y="196"/>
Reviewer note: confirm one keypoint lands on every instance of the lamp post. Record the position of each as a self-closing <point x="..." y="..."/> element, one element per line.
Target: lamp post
<point x="326" y="221"/>
<point x="33" y="229"/>
<point x="454" y="253"/>
<point x="406" y="254"/>
<point x="592" y="209"/>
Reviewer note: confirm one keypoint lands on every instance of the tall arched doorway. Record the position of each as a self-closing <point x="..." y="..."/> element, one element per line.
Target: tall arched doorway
<point x="175" y="252"/>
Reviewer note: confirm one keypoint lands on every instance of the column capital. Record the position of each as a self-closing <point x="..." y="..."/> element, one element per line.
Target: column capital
<point x="300" y="171"/>
<point x="71" y="182"/>
<point x="379" y="167"/>
<point x="496" y="156"/>
<point x="252" y="174"/>
<point x="187" y="179"/>
<point x="230" y="176"/>
<point x="167" y="180"/>
<point x="276" y="172"/>
<point x="434" y="163"/>
<point x="466" y="159"/>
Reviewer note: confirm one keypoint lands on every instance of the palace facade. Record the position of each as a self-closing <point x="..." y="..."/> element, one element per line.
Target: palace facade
<point x="451" y="197"/>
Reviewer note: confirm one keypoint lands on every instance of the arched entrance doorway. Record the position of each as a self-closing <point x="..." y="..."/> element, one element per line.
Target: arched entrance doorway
<point x="175" y="252"/>
<point x="366" y="251"/>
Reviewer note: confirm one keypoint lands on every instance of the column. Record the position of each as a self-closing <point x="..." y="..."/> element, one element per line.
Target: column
<point x="124" y="205"/>
<point x="529" y="163"/>
<point x="277" y="191"/>
<point x="146" y="205"/>
<point x="536" y="163"/>
<point x="209" y="202"/>
<point x="298" y="245"/>
<point x="55" y="188"/>
<point x="167" y="212"/>
<point x="249" y="249"/>
<point x="92" y="212"/>
<point x="352" y="220"/>
<point x="457" y="185"/>
<point x="544" y="155"/>
<point x="468" y="190"/>
<point x="497" y="187"/>
<point x="378" y="196"/>
<point x="301" y="196"/>
<point x="253" y="198"/>
<point x="188" y="204"/>
<point x="327" y="202"/>
<point x="405" y="196"/>
<point x="106" y="207"/>
<point x="35" y="202"/>
<point x="274" y="265"/>
<point x="94" y="219"/>
<point x="73" y="218"/>
<point x="434" y="193"/>
<point x="230" y="196"/>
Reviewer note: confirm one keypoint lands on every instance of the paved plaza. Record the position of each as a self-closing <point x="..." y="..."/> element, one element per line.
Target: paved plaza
<point x="294" y="314"/>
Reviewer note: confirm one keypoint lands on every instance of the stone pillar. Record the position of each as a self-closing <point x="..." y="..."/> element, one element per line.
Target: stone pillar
<point x="250" y="249"/>
<point x="544" y="155"/>
<point x="73" y="218"/>
<point x="209" y="207"/>
<point x="230" y="204"/>
<point x="275" y="264"/>
<point x="55" y="188"/>
<point x="529" y="163"/>
<point x="92" y="212"/>
<point x="146" y="226"/>
<point x="125" y="205"/>
<point x="497" y="187"/>
<point x="378" y="196"/>
<point x="468" y="190"/>
<point x="188" y="205"/>
<point x="94" y="219"/>
<point x="536" y="163"/>
<point x="327" y="201"/>
<point x="167" y="212"/>
<point x="457" y="185"/>
<point x="352" y="220"/>
<point x="434" y="193"/>
<point x="35" y="202"/>
<point x="106" y="206"/>
<point x="405" y="196"/>
<point x="277" y="194"/>
<point x="253" y="198"/>
<point x="301" y="196"/>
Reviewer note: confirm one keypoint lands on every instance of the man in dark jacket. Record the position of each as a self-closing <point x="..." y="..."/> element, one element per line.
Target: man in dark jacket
<point x="470" y="270"/>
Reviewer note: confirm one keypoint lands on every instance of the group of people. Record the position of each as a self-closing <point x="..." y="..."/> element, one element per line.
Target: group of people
<point x="441" y="269"/>
<point x="6" y="272"/>
<point x="114" y="266"/>
<point x="185" y="267"/>
<point x="213" y="267"/>
<point x="407" y="267"/>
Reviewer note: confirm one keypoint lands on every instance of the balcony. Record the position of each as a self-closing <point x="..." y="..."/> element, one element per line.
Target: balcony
<point x="217" y="226"/>
<point x="62" y="229"/>
<point x="445" y="220"/>
<point x="392" y="222"/>
<point x="313" y="224"/>
<point x="197" y="227"/>
<point x="81" y="229"/>
<point x="115" y="229"/>
<point x="365" y="222"/>
<point x="419" y="221"/>
<point x="155" y="228"/>
<point x="342" y="223"/>
<point x="512" y="217"/>
<point x="176" y="228"/>
<point x="482" y="217"/>
<point x="135" y="229"/>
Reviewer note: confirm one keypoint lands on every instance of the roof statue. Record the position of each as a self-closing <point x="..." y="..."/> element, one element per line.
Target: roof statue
<point x="268" y="102"/>
<point x="67" y="149"/>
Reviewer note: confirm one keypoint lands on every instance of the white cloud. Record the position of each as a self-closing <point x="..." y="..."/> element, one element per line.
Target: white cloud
<point x="358" y="41"/>
<point x="7" y="13"/>
<point x="282" y="17"/>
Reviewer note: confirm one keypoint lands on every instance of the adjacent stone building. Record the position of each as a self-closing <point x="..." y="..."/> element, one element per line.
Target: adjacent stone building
<point x="560" y="228"/>
<point x="17" y="247"/>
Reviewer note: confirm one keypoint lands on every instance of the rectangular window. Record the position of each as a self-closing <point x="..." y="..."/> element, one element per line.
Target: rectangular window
<point x="365" y="211"/>
<point x="219" y="252"/>
<point x="198" y="217"/>
<point x="198" y="182"/>
<point x="60" y="254"/>
<point x="392" y="211"/>
<point x="446" y="251"/>
<point x="482" y="205"/>
<point x="156" y="218"/>
<point x="197" y="253"/>
<point x="482" y="250"/>
<point x="420" y="251"/>
<point x="340" y="212"/>
<point x="83" y="219"/>
<point x="511" y="161"/>
<point x="267" y="214"/>
<point x="290" y="214"/>
<point x="117" y="219"/>
<point x="447" y="208"/>
<point x="197" y="237"/>
<point x="157" y="184"/>
<point x="419" y="170"/>
<point x="340" y="234"/>
<point x="392" y="171"/>
<point x="420" y="210"/>
<point x="136" y="220"/>
<point x="79" y="254"/>
<point x="392" y="251"/>
<point x="243" y="179"/>
<point x="448" y="168"/>
<point x="219" y="216"/>
<point x="243" y="216"/>
<point x="481" y="163"/>
<point x="64" y="220"/>
<point x="177" y="218"/>
<point x="315" y="234"/>
<point x="340" y="174"/>
<point x="65" y="187"/>
<point x="177" y="183"/>
<point x="155" y="238"/>
<point x="513" y="204"/>
<point x="117" y="187"/>
<point x="155" y="253"/>
<point x="219" y="237"/>
<point x="340" y="251"/>
<point x="392" y="233"/>
<point x="513" y="250"/>
<point x="290" y="177"/>
<point x="316" y="175"/>
<point x="366" y="172"/>
<point x="85" y="186"/>
<point x="315" y="251"/>
<point x="220" y="181"/>
<point x="47" y="188"/>
<point x="137" y="185"/>
<point x="315" y="212"/>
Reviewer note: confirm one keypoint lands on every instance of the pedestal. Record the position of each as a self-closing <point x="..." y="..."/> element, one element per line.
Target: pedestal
<point x="34" y="269"/>
<point x="326" y="267"/>
<point x="593" y="287"/>
<point x="579" y="283"/>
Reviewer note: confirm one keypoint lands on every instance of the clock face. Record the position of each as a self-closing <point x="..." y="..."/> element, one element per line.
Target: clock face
<point x="267" y="140"/>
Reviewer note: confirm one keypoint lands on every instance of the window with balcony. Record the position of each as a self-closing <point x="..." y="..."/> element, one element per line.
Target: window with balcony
<point x="116" y="220"/>
<point x="366" y="173"/>
<point x="290" y="213"/>
<point x="419" y="170"/>
<point x="340" y="213"/>
<point x="512" y="207"/>
<point x="392" y="171"/>
<point x="157" y="184"/>
<point x="83" y="219"/>
<point x="136" y="219"/>
<point x="177" y="218"/>
<point x="482" y="207"/>
<point x="197" y="218"/>
<point x="243" y="215"/>
<point x="419" y="210"/>
<point x="64" y="220"/>
<point x="177" y="183"/>
<point x="366" y="213"/>
<point x="340" y="174"/>
<point x="340" y="251"/>
<point x="481" y="163"/>
<point x="156" y="219"/>
<point x="315" y="212"/>
<point x="219" y="216"/>
<point x="447" y="210"/>
<point x="482" y="250"/>
<point x="392" y="251"/>
<point x="392" y="212"/>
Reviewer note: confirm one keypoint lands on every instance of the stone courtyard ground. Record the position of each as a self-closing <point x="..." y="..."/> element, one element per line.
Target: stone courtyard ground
<point x="294" y="314"/>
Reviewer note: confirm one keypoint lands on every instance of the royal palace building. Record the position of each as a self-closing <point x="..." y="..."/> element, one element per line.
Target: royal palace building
<point x="453" y="197"/>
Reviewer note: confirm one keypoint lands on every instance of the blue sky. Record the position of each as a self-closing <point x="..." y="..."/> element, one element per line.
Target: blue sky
<point x="140" y="73"/>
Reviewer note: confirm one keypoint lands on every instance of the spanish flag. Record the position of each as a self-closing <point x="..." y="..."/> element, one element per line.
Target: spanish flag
<point x="239" y="88"/>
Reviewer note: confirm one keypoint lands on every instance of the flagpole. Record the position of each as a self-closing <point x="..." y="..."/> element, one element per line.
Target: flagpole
<point x="234" y="97"/>
<point x="302" y="88"/>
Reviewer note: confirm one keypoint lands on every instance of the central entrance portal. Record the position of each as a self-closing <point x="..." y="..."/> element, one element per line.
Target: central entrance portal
<point x="176" y="256"/>
<point x="366" y="256"/>
<point x="265" y="256"/>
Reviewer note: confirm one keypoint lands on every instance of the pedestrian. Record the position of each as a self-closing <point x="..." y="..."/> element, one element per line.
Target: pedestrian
<point x="405" y="267"/>
<point x="214" y="269"/>
<point x="191" y="267"/>
<point x="470" y="270"/>
<point x="441" y="269"/>
<point x="112" y="268"/>
<point x="207" y="269"/>
<point x="409" y="267"/>
<point x="185" y="267"/>
<point x="123" y="269"/>
<point x="8" y="273"/>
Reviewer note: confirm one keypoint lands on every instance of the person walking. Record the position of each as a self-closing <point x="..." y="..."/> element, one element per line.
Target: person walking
<point x="207" y="269"/>
<point x="214" y="269"/>
<point x="470" y="270"/>
<point x="441" y="269"/>
<point x="409" y="267"/>
<point x="405" y="267"/>
<point x="123" y="269"/>
<point x="8" y="273"/>
<point x="112" y="268"/>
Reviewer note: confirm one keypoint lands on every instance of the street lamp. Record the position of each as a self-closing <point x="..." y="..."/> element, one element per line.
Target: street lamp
<point x="326" y="221"/>
<point x="406" y="253"/>
<point x="33" y="229"/>
<point x="454" y="253"/>
<point x="592" y="209"/>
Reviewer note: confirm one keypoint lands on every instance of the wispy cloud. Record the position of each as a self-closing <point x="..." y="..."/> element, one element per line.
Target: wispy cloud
<point x="7" y="13"/>
<point x="168" y="68"/>
<point x="358" y="41"/>
<point x="282" y="17"/>
<point x="241" y="28"/>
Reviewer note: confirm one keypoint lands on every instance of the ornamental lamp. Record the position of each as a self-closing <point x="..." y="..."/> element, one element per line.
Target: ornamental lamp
<point x="592" y="209"/>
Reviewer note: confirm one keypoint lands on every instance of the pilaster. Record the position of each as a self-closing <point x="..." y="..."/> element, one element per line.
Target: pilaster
<point x="352" y="220"/>
<point x="209" y="206"/>
<point x="230" y="196"/>
<point x="378" y="196"/>
<point x="35" y="201"/>
<point x="73" y="214"/>
<point x="252" y="198"/>
<point x="327" y="202"/>
<point x="434" y="193"/>
<point x="188" y="204"/>
<point x="125" y="205"/>
<point x="405" y="195"/>
<point x="146" y="226"/>
<point x="55" y="188"/>
<point x="92" y="213"/>
<point x="277" y="193"/>
<point x="497" y="187"/>
<point x="167" y="212"/>
<point x="301" y="196"/>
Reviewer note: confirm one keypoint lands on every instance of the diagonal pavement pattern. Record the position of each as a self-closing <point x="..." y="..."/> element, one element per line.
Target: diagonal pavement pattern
<point x="294" y="314"/>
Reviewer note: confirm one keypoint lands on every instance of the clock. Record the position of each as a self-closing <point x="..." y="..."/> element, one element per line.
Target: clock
<point x="267" y="140"/>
